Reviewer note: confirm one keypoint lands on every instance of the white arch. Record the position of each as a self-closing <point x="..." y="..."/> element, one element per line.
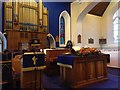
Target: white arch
<point x="52" y="41"/>
<point x="4" y="41"/>
<point x="66" y="16"/>
<point x="80" y="18"/>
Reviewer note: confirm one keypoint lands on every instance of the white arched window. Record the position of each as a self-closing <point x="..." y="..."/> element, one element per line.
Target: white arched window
<point x="64" y="28"/>
<point x="116" y="26"/>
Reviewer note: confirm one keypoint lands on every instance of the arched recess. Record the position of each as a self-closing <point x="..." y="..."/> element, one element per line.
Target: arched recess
<point x="79" y="38"/>
<point x="79" y="21"/>
<point x="66" y="17"/>
<point x="4" y="41"/>
<point x="51" y="41"/>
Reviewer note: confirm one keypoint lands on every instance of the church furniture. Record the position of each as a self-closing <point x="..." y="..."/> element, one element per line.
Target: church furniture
<point x="6" y="72"/>
<point x="20" y="39"/>
<point x="28" y="78"/>
<point x="108" y="57"/>
<point x="16" y="67"/>
<point x="51" y="60"/>
<point x="31" y="73"/>
<point x="76" y="71"/>
<point x="113" y="57"/>
<point x="24" y="21"/>
<point x="6" y="68"/>
<point x="24" y="71"/>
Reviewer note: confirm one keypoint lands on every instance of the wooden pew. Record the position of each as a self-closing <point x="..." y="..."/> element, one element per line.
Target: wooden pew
<point x="51" y="58"/>
<point x="5" y="71"/>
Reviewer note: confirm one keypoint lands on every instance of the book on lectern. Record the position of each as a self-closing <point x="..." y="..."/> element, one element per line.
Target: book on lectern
<point x="32" y="59"/>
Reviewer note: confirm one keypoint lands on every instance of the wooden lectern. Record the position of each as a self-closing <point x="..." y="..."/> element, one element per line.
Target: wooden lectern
<point x="33" y="63"/>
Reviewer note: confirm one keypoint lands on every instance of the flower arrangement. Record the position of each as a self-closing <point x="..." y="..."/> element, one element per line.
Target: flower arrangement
<point x="88" y="51"/>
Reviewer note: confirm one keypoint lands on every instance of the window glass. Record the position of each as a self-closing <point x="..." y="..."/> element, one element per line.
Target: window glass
<point x="62" y="30"/>
<point x="116" y="26"/>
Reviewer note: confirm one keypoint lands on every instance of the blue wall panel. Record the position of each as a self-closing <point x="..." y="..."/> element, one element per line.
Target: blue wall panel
<point x="55" y="9"/>
<point x="1" y="18"/>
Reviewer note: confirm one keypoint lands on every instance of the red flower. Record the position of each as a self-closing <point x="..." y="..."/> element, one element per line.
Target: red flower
<point x="86" y="51"/>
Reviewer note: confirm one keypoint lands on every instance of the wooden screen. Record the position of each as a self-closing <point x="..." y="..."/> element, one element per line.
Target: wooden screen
<point x="8" y="15"/>
<point x="28" y="16"/>
<point x="24" y="21"/>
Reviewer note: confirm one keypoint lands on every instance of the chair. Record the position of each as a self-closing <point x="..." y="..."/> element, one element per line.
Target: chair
<point x="16" y="66"/>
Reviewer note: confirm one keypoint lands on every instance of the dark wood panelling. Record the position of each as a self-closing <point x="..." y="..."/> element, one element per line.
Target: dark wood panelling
<point x="100" y="8"/>
<point x="84" y="71"/>
<point x="16" y="38"/>
<point x="51" y="61"/>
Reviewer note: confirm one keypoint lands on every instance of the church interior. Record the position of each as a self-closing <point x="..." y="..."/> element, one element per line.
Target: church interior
<point x="59" y="44"/>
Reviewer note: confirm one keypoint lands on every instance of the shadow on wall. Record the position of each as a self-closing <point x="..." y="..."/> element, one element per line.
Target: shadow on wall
<point x="3" y="42"/>
<point x="51" y="41"/>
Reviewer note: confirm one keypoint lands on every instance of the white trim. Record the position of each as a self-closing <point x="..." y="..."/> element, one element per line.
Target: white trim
<point x="65" y="65"/>
<point x="113" y="66"/>
<point x="52" y="41"/>
<point x="33" y="68"/>
<point x="4" y="41"/>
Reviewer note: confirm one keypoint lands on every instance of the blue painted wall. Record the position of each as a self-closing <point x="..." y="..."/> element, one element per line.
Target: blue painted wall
<point x="1" y="18"/>
<point x="55" y="9"/>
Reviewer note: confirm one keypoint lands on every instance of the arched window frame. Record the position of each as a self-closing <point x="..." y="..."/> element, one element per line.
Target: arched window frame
<point x="66" y="17"/>
<point x="116" y="27"/>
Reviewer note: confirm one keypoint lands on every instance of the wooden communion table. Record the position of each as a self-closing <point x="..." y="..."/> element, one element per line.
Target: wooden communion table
<point x="76" y="71"/>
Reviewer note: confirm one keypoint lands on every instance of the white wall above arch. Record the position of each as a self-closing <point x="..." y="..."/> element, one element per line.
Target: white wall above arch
<point x="103" y="24"/>
<point x="79" y="28"/>
<point x="66" y="16"/>
<point x="78" y="12"/>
